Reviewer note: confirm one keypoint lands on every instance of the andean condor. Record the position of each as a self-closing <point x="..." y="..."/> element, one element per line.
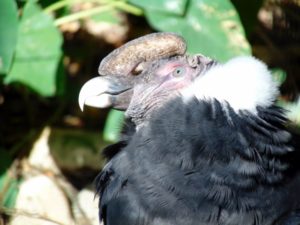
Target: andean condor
<point x="204" y="142"/>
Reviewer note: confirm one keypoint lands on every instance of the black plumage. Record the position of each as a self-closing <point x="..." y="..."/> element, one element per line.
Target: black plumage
<point x="189" y="158"/>
<point x="192" y="165"/>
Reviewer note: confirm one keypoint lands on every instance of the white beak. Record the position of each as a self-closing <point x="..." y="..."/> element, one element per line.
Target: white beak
<point x="93" y="93"/>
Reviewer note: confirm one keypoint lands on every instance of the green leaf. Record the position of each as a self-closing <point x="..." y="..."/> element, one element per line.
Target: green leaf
<point x="113" y="125"/>
<point x="212" y="28"/>
<point x="167" y="6"/>
<point x="8" y="33"/>
<point x="38" y="51"/>
<point x="60" y="79"/>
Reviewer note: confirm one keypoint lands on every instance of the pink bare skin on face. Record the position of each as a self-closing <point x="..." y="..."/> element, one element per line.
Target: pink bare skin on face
<point x="161" y="84"/>
<point x="176" y="75"/>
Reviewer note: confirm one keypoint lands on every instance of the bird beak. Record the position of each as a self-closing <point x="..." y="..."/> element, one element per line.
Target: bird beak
<point x="104" y="92"/>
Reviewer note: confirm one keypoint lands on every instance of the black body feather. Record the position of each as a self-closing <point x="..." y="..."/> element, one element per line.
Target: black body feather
<point x="203" y="163"/>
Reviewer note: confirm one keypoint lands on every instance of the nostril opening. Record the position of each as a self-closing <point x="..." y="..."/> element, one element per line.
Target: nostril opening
<point x="138" y="69"/>
<point x="136" y="72"/>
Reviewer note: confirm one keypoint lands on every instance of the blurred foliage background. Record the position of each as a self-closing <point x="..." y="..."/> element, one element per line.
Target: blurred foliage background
<point x="49" y="48"/>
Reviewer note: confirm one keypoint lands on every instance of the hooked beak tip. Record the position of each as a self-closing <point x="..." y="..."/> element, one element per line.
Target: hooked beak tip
<point x="92" y="93"/>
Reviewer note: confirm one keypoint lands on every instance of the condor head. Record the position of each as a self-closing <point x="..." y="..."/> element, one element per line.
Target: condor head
<point x="145" y="73"/>
<point x="141" y="75"/>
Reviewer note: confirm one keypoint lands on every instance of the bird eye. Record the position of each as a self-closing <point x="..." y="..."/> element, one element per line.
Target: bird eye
<point x="178" y="72"/>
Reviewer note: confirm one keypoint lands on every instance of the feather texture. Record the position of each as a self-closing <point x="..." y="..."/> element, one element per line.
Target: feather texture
<point x="203" y="163"/>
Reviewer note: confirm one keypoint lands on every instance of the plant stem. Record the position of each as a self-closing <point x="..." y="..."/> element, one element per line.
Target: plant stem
<point x="58" y="5"/>
<point x="81" y="14"/>
<point x="86" y="13"/>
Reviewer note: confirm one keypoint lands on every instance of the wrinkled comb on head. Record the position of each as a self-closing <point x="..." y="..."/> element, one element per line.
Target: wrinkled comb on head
<point x="123" y="60"/>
